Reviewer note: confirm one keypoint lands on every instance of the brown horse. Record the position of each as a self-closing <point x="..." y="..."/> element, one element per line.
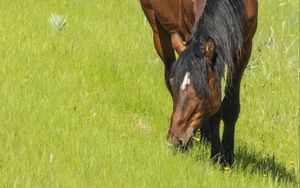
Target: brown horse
<point x="218" y="34"/>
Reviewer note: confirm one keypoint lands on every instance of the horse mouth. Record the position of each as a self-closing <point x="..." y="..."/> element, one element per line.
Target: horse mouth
<point x="182" y="147"/>
<point x="184" y="144"/>
<point x="189" y="144"/>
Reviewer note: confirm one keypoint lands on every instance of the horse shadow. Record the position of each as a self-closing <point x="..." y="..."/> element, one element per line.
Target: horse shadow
<point x="253" y="162"/>
<point x="258" y="163"/>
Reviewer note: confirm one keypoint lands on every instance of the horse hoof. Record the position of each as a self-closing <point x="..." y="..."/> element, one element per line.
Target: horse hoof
<point x="227" y="158"/>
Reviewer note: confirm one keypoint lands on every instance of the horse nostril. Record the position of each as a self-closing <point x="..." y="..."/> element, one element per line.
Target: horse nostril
<point x="180" y="142"/>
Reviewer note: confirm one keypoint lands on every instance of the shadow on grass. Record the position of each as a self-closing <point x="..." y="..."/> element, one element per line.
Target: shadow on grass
<point x="253" y="162"/>
<point x="258" y="163"/>
<point x="250" y="161"/>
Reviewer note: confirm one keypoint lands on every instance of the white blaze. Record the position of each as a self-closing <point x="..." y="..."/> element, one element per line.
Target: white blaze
<point x="186" y="81"/>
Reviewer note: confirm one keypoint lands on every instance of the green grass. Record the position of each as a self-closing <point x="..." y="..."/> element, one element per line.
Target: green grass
<point x="86" y="106"/>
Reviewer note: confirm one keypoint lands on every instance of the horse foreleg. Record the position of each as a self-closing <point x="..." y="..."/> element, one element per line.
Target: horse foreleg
<point x="161" y="38"/>
<point x="205" y="132"/>
<point x="231" y="106"/>
<point x="231" y="110"/>
<point x="214" y="123"/>
<point x="163" y="46"/>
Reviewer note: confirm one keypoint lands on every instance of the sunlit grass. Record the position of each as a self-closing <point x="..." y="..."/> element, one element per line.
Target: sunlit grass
<point x="87" y="106"/>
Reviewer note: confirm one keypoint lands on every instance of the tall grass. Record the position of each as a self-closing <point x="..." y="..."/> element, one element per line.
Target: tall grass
<point x="86" y="106"/>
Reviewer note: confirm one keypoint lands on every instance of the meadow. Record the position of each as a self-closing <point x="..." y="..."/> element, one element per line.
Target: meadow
<point x="86" y="105"/>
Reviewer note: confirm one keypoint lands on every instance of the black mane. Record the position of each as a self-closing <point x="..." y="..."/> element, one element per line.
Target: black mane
<point x="222" y="21"/>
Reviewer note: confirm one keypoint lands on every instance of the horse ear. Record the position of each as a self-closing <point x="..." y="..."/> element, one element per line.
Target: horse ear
<point x="209" y="49"/>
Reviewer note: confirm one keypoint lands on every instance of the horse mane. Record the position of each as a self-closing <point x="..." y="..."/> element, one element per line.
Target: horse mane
<point x="223" y="22"/>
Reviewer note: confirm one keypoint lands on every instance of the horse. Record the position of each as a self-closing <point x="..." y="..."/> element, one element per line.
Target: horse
<point x="208" y="37"/>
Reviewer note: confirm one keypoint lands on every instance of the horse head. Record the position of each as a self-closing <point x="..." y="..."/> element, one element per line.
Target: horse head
<point x="194" y="89"/>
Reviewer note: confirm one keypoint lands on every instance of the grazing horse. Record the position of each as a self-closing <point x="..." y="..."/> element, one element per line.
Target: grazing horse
<point x="218" y="34"/>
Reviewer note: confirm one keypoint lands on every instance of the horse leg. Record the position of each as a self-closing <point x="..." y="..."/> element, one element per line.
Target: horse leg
<point x="150" y="15"/>
<point x="231" y="110"/>
<point x="163" y="46"/>
<point x="162" y="40"/>
<point x="214" y="123"/>
<point x="209" y="131"/>
<point x="205" y="132"/>
<point x="231" y="106"/>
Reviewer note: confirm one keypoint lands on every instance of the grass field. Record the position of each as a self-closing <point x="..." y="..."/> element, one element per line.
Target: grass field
<point x="86" y="106"/>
